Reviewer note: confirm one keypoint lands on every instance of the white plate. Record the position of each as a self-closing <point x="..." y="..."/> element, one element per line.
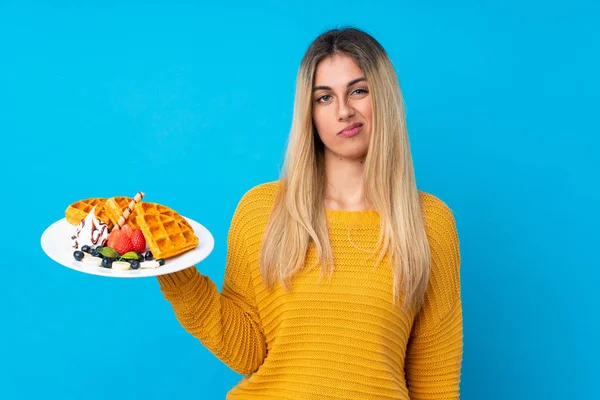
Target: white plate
<point x="56" y="243"/>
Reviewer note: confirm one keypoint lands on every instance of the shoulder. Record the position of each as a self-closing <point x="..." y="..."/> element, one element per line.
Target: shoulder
<point x="440" y="222"/>
<point x="435" y="210"/>
<point x="264" y="191"/>
<point x="255" y="205"/>
<point x="442" y="233"/>
<point x="260" y="196"/>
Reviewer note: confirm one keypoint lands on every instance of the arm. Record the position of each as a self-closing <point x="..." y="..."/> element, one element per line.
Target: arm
<point x="434" y="353"/>
<point x="227" y="323"/>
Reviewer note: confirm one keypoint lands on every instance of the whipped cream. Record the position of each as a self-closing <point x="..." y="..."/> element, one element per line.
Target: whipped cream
<point x="90" y="231"/>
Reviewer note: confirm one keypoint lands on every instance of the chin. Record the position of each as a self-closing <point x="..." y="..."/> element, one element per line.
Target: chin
<point x="349" y="153"/>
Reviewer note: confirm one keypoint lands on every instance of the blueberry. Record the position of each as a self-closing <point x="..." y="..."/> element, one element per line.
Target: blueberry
<point x="149" y="255"/>
<point x="140" y="256"/>
<point x="161" y="262"/>
<point x="78" y="255"/>
<point x="86" y="248"/>
<point x="107" y="262"/>
<point x="95" y="252"/>
<point x="135" y="264"/>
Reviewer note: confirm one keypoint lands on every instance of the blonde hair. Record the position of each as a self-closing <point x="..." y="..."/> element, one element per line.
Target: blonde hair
<point x="298" y="215"/>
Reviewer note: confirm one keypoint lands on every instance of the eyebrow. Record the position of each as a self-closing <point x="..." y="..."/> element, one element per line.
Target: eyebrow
<point x="352" y="82"/>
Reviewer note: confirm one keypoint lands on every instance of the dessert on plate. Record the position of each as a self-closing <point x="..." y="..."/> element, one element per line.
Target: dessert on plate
<point x="125" y="233"/>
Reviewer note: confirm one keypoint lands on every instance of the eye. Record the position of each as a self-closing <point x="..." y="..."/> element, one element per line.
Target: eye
<point x="360" y="91"/>
<point x="323" y="99"/>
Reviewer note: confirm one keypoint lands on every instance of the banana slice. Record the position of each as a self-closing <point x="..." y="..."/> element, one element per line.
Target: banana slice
<point x="149" y="264"/>
<point x="121" y="265"/>
<point x="97" y="261"/>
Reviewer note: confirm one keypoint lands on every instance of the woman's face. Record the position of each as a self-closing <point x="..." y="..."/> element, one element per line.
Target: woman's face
<point x="342" y="107"/>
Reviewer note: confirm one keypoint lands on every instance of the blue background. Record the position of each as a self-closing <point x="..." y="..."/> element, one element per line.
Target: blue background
<point x="192" y="105"/>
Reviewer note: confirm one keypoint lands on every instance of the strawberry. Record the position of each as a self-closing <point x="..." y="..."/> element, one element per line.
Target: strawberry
<point x="127" y="230"/>
<point x="138" y="241"/>
<point x="112" y="237"/>
<point x="122" y="243"/>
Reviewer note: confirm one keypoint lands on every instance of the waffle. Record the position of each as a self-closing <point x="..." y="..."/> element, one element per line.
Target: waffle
<point x="80" y="209"/>
<point x="166" y="232"/>
<point x="115" y="206"/>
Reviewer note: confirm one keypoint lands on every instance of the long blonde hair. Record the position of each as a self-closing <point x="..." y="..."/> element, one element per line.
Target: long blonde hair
<point x="298" y="215"/>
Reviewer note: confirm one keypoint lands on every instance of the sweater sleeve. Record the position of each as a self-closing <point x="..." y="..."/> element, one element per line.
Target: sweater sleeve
<point x="227" y="323"/>
<point x="434" y="351"/>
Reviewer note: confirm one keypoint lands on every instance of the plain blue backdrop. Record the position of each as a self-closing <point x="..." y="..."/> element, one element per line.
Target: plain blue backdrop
<point x="192" y="104"/>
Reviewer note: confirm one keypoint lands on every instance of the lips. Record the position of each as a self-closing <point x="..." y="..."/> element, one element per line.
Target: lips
<point x="351" y="130"/>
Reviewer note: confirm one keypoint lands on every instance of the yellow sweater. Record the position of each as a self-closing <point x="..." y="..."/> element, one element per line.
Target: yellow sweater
<point x="342" y="338"/>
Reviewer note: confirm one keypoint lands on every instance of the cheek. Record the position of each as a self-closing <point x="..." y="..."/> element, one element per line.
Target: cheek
<point x="366" y="110"/>
<point x="320" y="119"/>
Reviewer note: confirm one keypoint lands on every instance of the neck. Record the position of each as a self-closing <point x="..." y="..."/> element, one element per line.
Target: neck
<point x="344" y="184"/>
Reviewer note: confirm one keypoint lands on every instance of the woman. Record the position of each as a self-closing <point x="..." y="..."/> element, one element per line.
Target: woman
<point x="342" y="279"/>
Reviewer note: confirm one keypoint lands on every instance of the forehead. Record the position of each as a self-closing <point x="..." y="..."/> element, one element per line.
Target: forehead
<point x="337" y="70"/>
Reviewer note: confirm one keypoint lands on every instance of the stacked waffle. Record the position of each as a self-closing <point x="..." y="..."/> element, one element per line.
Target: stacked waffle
<point x="80" y="209"/>
<point x="167" y="233"/>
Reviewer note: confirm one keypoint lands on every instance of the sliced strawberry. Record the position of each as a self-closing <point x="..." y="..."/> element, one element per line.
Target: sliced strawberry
<point x="114" y="234"/>
<point x="138" y="241"/>
<point x="127" y="230"/>
<point x="122" y="244"/>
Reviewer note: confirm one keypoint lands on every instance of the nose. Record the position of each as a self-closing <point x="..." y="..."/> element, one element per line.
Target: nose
<point x="344" y="110"/>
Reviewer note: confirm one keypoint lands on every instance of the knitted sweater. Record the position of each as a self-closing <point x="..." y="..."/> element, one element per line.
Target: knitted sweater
<point x="338" y="338"/>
